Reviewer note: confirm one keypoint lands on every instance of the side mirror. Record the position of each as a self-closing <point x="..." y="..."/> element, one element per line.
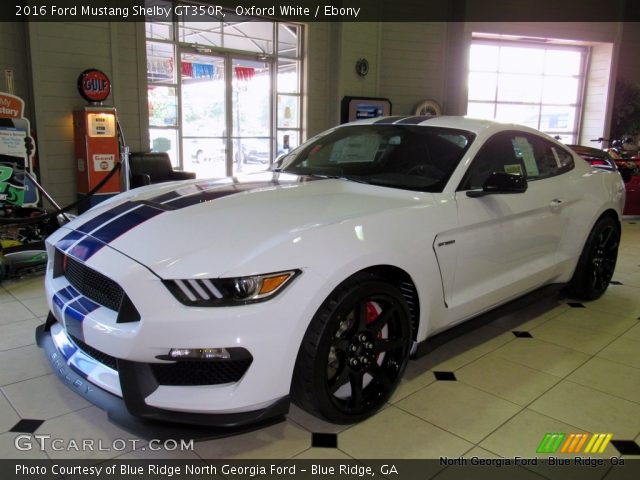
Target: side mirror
<point x="500" y="182"/>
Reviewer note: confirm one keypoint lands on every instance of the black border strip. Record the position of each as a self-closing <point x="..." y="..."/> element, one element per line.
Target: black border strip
<point x="337" y="11"/>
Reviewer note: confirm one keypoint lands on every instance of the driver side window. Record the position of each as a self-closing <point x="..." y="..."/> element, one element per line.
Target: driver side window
<point x="499" y="154"/>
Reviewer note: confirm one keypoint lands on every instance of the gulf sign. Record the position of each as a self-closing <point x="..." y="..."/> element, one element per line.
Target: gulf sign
<point x="94" y="85"/>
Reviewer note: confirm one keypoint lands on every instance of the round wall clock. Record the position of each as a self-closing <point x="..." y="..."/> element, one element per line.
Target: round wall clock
<point x="428" y="107"/>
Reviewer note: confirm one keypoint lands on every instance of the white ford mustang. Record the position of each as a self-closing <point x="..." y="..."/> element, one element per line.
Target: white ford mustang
<point x="215" y="302"/>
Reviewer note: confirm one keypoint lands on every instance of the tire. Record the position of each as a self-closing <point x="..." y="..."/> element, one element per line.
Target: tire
<point x="354" y="352"/>
<point x="597" y="261"/>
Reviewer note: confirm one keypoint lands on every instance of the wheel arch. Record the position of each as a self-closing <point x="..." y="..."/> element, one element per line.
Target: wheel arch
<point x="579" y="239"/>
<point x="305" y="389"/>
<point x="586" y="267"/>
<point x="400" y="279"/>
<point x="610" y="212"/>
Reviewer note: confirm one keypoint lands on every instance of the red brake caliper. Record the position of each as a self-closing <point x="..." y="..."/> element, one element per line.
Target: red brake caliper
<point x="373" y="311"/>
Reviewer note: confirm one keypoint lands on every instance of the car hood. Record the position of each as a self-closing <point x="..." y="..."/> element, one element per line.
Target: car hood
<point x="206" y="228"/>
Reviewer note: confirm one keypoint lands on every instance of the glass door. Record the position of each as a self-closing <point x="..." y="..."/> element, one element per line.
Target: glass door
<point x="203" y="114"/>
<point x="225" y="95"/>
<point x="251" y="93"/>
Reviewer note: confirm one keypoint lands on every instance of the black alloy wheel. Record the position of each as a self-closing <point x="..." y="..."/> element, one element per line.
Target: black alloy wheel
<point x="597" y="261"/>
<point x="354" y="352"/>
<point x="604" y="258"/>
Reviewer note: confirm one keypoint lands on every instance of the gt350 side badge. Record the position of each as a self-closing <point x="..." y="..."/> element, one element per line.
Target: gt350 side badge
<point x="448" y="242"/>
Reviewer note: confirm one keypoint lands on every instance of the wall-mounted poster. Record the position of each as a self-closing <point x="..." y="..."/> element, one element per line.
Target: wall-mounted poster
<point x="15" y="188"/>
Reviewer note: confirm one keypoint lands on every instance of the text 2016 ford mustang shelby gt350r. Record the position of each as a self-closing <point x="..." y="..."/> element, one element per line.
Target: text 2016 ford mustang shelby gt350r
<point x="215" y="302"/>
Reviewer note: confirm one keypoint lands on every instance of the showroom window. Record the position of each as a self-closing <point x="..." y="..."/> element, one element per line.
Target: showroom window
<point x="225" y="97"/>
<point x="530" y="84"/>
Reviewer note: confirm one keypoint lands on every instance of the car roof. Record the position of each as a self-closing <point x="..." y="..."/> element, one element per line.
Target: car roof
<point x="475" y="125"/>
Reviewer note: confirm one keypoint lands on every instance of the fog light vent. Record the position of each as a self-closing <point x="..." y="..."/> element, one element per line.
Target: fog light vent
<point x="199" y="354"/>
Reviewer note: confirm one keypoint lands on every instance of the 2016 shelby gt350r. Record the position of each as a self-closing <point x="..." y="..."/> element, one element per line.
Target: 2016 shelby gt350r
<point x="214" y="302"/>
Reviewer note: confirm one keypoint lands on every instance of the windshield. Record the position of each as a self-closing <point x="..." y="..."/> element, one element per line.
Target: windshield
<point x="399" y="156"/>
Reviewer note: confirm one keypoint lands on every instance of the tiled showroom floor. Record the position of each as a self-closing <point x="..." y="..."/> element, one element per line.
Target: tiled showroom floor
<point x="547" y="367"/>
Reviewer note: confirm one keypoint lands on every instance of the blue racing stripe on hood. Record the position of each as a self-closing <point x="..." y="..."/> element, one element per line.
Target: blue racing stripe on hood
<point x="67" y="241"/>
<point x="223" y="190"/>
<point x="208" y="195"/>
<point x="213" y="189"/>
<point x="95" y="222"/>
<point x="190" y="189"/>
<point x="126" y="222"/>
<point x="103" y="229"/>
<point x="85" y="249"/>
<point x="165" y="197"/>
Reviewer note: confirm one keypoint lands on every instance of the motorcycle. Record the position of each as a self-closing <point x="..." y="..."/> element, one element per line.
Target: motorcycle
<point x="629" y="166"/>
<point x="620" y="151"/>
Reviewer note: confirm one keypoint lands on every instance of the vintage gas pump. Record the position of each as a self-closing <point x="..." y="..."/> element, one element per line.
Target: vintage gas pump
<point x="96" y="139"/>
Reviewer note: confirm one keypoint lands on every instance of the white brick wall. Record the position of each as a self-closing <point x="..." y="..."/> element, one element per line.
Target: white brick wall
<point x="412" y="64"/>
<point x="406" y="65"/>
<point x="13" y="56"/>
<point x="596" y="97"/>
<point x="318" y="75"/>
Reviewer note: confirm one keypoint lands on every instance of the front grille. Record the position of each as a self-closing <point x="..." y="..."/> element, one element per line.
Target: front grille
<point x="190" y="373"/>
<point x="93" y="285"/>
<point x="101" y="357"/>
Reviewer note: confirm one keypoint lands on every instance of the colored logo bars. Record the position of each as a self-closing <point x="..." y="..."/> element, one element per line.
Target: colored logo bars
<point x="573" y="443"/>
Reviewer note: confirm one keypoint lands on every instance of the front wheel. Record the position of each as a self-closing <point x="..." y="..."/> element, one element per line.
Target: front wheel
<point x="354" y="351"/>
<point x="597" y="261"/>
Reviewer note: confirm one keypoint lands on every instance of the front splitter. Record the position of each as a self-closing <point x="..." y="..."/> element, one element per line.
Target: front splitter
<point x="160" y="424"/>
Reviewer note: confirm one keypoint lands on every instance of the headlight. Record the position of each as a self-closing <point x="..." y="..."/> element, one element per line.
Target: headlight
<point x="220" y="292"/>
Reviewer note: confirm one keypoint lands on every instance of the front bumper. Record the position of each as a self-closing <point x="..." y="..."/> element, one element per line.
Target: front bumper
<point x="124" y="353"/>
<point x="271" y="332"/>
<point x="136" y="383"/>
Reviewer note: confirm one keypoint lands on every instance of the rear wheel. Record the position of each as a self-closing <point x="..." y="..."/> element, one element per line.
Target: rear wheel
<point x="354" y="352"/>
<point x="597" y="261"/>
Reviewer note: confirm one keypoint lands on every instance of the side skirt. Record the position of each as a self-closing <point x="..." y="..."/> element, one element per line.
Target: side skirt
<point x="537" y="303"/>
